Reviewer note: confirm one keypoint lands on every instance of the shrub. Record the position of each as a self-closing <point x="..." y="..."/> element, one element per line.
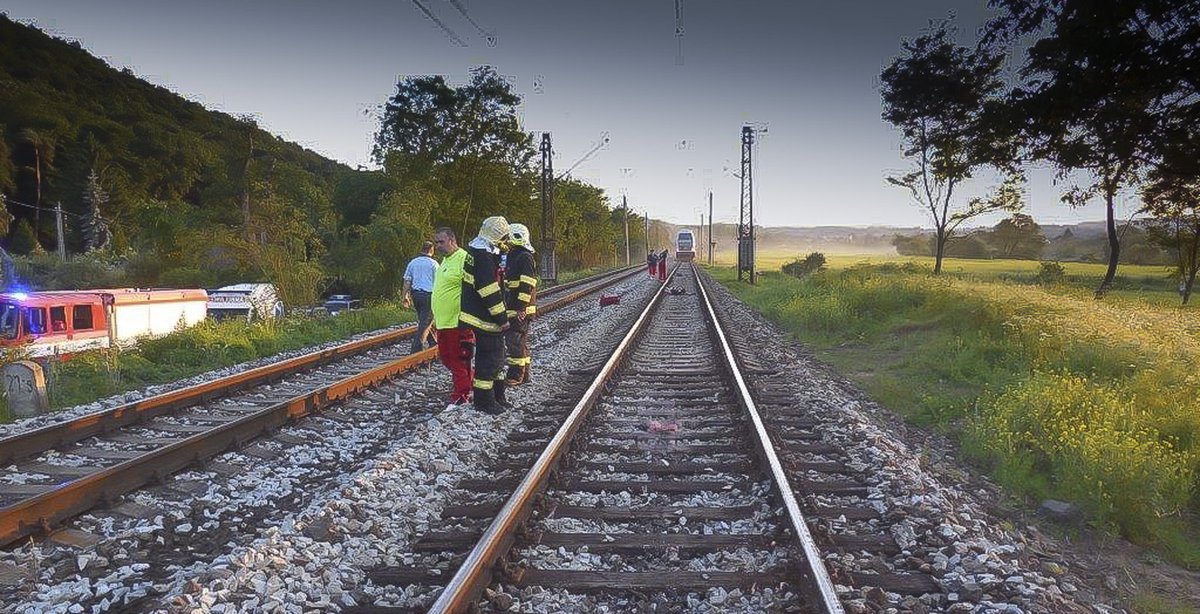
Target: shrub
<point x="1050" y="273"/>
<point x="810" y="264"/>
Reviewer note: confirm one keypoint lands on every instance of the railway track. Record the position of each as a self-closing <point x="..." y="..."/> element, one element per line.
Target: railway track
<point x="56" y="472"/>
<point x="659" y="487"/>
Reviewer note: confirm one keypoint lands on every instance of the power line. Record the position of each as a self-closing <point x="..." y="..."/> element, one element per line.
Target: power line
<point x="18" y="203"/>
<point x="490" y="38"/>
<point x="453" y="37"/>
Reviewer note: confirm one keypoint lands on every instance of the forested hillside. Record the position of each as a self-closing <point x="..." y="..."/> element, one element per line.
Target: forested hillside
<point x="159" y="190"/>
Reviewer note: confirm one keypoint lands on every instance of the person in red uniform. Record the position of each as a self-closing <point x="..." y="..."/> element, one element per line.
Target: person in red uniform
<point x="662" y="266"/>
<point x="455" y="342"/>
<point x="652" y="263"/>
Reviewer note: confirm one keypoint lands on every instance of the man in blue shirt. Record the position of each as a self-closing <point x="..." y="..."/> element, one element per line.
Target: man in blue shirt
<point x="418" y="288"/>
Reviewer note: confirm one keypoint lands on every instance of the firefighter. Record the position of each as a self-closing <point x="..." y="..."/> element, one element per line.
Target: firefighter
<point x="520" y="276"/>
<point x="483" y="312"/>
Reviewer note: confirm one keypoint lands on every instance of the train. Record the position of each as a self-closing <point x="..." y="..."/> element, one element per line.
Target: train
<point x="685" y="246"/>
<point x="60" y="322"/>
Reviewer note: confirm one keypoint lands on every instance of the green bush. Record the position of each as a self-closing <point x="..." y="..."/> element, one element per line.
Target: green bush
<point x="809" y="264"/>
<point x="1051" y="273"/>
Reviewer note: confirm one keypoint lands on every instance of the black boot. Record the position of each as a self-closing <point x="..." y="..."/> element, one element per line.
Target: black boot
<point x="515" y="376"/>
<point x="484" y="400"/>
<point x="498" y="389"/>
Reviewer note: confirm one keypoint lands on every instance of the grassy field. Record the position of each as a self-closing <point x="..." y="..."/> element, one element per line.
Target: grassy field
<point x="1155" y="285"/>
<point x="1056" y="394"/>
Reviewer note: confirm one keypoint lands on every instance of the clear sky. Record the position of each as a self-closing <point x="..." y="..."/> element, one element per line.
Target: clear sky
<point x="317" y="72"/>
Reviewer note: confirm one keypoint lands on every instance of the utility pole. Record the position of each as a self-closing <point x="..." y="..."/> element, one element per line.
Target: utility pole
<point x="711" y="243"/>
<point x="549" y="264"/>
<point x="647" y="231"/>
<point x="62" y="240"/>
<point x="625" y="207"/>
<point x="746" y="216"/>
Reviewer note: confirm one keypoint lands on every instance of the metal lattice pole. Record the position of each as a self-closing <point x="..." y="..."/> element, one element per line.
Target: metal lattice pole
<point x="549" y="263"/>
<point x="746" y="216"/>
<point x="711" y="243"/>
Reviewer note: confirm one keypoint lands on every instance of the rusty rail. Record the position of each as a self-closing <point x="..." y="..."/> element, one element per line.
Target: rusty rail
<point x="41" y="512"/>
<point x="36" y="441"/>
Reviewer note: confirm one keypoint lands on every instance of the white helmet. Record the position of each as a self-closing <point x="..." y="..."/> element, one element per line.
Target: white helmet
<point x="494" y="230"/>
<point x="518" y="234"/>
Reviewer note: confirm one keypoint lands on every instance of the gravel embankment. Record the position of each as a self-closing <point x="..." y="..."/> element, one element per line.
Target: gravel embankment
<point x="291" y="522"/>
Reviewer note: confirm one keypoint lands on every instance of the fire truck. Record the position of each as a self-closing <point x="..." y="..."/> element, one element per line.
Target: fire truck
<point x="62" y="322"/>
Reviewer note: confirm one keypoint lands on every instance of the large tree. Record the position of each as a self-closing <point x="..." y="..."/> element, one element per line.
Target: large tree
<point x="941" y="96"/>
<point x="430" y="122"/>
<point x="468" y="136"/>
<point x="1091" y="84"/>
<point x="1017" y="237"/>
<point x="1172" y="197"/>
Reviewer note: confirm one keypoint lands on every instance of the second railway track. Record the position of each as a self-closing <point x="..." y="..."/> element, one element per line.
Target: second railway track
<point x="63" y="469"/>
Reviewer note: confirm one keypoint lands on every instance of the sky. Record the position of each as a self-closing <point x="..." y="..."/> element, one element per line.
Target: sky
<point x="672" y="107"/>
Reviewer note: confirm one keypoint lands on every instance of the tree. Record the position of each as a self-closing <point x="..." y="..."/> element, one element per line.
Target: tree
<point x="1172" y="196"/>
<point x="41" y="145"/>
<point x="1017" y="237"/>
<point x="96" y="235"/>
<point x="7" y="172"/>
<point x="430" y="122"/>
<point x="940" y="95"/>
<point x="1091" y="82"/>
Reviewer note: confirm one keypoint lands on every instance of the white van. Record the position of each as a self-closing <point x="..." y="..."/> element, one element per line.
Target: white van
<point x="246" y="301"/>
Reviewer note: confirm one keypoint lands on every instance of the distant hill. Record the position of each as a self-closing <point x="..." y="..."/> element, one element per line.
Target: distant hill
<point x="1083" y="242"/>
<point x="65" y="114"/>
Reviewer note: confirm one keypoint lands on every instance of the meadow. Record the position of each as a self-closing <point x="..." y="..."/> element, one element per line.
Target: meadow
<point x="1055" y="394"/>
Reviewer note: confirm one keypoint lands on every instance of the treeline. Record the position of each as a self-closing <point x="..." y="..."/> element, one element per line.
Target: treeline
<point x="1109" y="97"/>
<point x="155" y="189"/>
<point x="1020" y="238"/>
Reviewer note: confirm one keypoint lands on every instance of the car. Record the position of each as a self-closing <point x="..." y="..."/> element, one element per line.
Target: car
<point x="341" y="302"/>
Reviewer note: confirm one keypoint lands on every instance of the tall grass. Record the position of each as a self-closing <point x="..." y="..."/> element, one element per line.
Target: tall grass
<point x="1059" y="395"/>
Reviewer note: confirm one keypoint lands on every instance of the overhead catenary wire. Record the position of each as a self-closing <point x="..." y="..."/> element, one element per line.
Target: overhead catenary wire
<point x="51" y="210"/>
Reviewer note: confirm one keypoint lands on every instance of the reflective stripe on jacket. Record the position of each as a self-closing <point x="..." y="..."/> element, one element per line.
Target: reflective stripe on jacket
<point x="482" y="296"/>
<point x="520" y="278"/>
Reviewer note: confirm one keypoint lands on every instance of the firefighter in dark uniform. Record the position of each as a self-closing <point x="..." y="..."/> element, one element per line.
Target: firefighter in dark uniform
<point x="483" y="311"/>
<point x="520" y="277"/>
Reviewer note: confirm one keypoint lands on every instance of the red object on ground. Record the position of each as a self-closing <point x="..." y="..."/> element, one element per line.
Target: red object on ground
<point x="455" y="348"/>
<point x="657" y="426"/>
<point x="606" y="300"/>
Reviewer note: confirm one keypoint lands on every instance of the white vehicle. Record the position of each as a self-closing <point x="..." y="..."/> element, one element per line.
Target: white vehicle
<point x="62" y="322"/>
<point x="246" y="301"/>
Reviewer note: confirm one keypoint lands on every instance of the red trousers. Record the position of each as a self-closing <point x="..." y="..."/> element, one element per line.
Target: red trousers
<point x="456" y="346"/>
<point x="662" y="270"/>
<point x="652" y="267"/>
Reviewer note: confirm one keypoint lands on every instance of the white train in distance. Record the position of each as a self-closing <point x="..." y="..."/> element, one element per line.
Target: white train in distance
<point x="685" y="246"/>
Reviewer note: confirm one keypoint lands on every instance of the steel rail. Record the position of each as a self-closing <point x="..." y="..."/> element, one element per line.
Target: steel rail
<point x="475" y="571"/>
<point x="41" y="512"/>
<point x="822" y="590"/>
<point x="36" y="441"/>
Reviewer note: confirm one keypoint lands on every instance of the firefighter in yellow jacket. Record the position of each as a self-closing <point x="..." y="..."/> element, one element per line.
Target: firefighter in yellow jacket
<point x="520" y="277"/>
<point x="483" y="311"/>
